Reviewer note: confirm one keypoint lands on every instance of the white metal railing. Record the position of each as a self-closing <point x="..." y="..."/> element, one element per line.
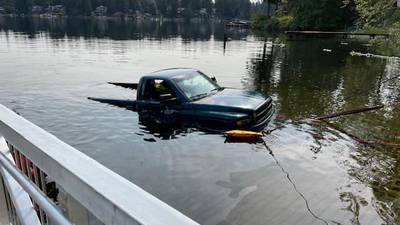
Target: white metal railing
<point x="26" y="186"/>
<point x="17" y="202"/>
<point x="43" y="159"/>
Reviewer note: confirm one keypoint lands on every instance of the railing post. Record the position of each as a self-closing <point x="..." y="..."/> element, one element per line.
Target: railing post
<point x="4" y="212"/>
<point x="9" y="170"/>
<point x="19" y="205"/>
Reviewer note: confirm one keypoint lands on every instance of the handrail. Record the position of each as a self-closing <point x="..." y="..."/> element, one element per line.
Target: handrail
<point x="109" y="197"/>
<point x="56" y="216"/>
<point x="19" y="199"/>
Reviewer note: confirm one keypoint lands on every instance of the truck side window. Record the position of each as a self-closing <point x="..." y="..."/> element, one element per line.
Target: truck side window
<point x="153" y="89"/>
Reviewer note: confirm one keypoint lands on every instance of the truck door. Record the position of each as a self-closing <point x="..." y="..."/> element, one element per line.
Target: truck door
<point x="158" y="99"/>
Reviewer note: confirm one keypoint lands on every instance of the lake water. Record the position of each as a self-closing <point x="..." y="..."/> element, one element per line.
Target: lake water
<point x="317" y="173"/>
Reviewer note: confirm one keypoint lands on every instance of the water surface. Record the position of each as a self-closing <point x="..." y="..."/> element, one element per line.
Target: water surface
<point x="309" y="173"/>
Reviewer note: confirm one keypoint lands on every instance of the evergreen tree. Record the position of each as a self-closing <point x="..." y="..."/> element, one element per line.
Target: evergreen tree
<point x="86" y="7"/>
<point x="318" y="14"/>
<point x="376" y="13"/>
<point x="208" y="5"/>
<point x="23" y="6"/>
<point x="233" y="8"/>
<point x="8" y="5"/>
<point x="170" y="8"/>
<point x="167" y="8"/>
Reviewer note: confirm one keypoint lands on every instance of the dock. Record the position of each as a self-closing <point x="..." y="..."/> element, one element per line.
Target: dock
<point x="333" y="34"/>
<point x="238" y="24"/>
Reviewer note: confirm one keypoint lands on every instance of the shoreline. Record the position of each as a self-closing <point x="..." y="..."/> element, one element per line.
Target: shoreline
<point x="125" y="17"/>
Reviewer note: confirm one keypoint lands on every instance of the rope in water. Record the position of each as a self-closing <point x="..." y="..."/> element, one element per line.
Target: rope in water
<point x="313" y="214"/>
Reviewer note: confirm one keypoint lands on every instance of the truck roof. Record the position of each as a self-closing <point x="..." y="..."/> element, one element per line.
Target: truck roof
<point x="170" y="73"/>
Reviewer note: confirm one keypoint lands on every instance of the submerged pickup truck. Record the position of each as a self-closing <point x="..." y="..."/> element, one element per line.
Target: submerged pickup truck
<point x="189" y="95"/>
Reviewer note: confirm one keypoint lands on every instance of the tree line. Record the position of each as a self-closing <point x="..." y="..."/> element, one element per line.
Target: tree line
<point x="167" y="8"/>
<point x="291" y="14"/>
<point x="329" y="14"/>
<point x="308" y="14"/>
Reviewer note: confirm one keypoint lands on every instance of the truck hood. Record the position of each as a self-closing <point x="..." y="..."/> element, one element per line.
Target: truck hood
<point x="235" y="98"/>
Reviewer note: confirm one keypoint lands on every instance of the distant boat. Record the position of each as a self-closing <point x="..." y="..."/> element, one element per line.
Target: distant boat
<point x="239" y="24"/>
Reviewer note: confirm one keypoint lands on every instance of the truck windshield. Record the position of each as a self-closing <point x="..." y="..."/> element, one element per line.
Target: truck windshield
<point x="196" y="85"/>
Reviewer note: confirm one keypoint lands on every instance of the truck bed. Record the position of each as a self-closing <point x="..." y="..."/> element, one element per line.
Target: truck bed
<point x="129" y="104"/>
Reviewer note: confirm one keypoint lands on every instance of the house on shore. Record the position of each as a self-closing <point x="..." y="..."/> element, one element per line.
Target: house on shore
<point x="55" y="10"/>
<point x="203" y="13"/>
<point x="100" y="11"/>
<point x="37" y="9"/>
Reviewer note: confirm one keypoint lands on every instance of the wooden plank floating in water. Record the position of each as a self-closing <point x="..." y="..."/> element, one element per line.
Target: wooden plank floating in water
<point x="334" y="34"/>
<point x="350" y="112"/>
<point x="370" y="55"/>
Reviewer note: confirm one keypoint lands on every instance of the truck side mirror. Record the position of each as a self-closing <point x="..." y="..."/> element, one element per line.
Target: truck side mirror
<point x="214" y="79"/>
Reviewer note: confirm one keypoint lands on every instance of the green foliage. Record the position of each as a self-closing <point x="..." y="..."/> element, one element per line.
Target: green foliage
<point x="312" y="14"/>
<point x="23" y="6"/>
<point x="233" y="8"/>
<point x="320" y="14"/>
<point x="259" y="21"/>
<point x="285" y="21"/>
<point x="395" y="32"/>
<point x="263" y="22"/>
<point x="377" y="13"/>
<point x="8" y="5"/>
<point x="391" y="46"/>
<point x="381" y="16"/>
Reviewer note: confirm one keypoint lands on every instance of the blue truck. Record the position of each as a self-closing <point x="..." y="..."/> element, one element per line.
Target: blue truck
<point x="182" y="95"/>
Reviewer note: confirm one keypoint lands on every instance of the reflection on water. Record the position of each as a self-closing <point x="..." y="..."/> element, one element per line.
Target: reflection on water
<point x="312" y="82"/>
<point x="120" y="29"/>
<point x="311" y="172"/>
